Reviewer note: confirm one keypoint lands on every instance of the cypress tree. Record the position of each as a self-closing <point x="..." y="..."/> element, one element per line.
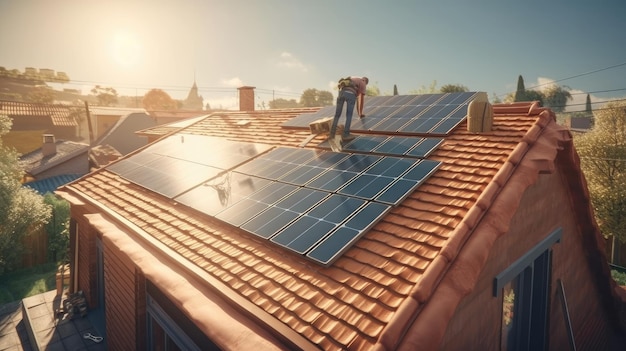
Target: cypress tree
<point x="588" y="104"/>
<point x="520" y="93"/>
<point x="395" y="89"/>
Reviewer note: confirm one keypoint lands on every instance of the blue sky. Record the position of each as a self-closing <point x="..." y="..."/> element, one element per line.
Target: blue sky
<point x="285" y="47"/>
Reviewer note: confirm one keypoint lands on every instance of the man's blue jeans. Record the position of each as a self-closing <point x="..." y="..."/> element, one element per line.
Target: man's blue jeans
<point x="350" y="99"/>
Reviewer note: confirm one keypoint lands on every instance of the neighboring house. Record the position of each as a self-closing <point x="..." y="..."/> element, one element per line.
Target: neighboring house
<point x="104" y="118"/>
<point x="102" y="155"/>
<point x="579" y="124"/>
<point x="42" y="118"/>
<point x="56" y="161"/>
<point x="121" y="136"/>
<point x="496" y="247"/>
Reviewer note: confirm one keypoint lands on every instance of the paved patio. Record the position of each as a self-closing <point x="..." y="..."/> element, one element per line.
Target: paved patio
<point x="50" y="331"/>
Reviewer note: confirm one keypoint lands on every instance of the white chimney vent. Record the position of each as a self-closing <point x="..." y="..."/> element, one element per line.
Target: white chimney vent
<point x="49" y="146"/>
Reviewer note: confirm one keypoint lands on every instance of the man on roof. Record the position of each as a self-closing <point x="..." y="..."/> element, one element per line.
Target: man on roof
<point x="351" y="89"/>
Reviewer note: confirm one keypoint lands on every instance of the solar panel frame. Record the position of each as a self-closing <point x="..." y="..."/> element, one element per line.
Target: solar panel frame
<point x="332" y="246"/>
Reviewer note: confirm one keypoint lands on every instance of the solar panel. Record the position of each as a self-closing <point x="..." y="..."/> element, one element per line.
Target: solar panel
<point x="404" y="114"/>
<point x="336" y="243"/>
<point x="219" y="193"/>
<point x="394" y="145"/>
<point x="311" y="202"/>
<point x="180" y="162"/>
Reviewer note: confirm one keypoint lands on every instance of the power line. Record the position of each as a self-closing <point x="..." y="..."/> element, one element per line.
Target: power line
<point x="572" y="77"/>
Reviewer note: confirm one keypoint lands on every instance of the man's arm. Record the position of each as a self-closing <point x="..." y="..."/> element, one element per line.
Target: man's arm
<point x="360" y="104"/>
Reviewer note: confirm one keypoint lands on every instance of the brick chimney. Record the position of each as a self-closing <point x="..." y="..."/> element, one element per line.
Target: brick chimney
<point x="246" y="98"/>
<point x="49" y="146"/>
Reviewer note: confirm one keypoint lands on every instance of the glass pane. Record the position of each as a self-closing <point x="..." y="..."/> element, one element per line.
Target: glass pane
<point x="508" y="313"/>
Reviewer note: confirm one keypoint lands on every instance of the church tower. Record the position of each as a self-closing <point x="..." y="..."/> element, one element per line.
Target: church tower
<point x="193" y="100"/>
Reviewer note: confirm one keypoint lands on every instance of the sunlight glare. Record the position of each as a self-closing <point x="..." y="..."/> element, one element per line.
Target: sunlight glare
<point x="126" y="49"/>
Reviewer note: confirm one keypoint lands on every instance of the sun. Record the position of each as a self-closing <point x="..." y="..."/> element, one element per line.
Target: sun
<point x="126" y="49"/>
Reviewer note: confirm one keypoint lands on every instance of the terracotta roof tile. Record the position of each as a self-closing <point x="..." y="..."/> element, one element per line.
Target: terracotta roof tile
<point x="365" y="295"/>
<point x="61" y="115"/>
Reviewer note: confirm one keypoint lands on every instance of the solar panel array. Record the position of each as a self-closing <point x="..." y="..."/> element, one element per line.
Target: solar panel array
<point x="390" y="145"/>
<point x="313" y="202"/>
<point x="436" y="114"/>
<point x="309" y="201"/>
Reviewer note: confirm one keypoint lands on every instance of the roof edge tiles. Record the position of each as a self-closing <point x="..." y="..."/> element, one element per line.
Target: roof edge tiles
<point x="438" y="275"/>
<point x="246" y="321"/>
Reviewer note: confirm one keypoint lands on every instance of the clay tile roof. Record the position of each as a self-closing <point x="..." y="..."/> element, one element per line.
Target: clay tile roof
<point x="367" y="298"/>
<point x="60" y="114"/>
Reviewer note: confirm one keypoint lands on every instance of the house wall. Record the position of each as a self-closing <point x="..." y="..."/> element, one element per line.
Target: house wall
<point x="122" y="287"/>
<point x="544" y="207"/>
<point x="85" y="269"/>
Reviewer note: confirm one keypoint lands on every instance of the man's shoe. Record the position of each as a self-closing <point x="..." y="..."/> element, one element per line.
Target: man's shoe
<point x="348" y="137"/>
<point x="335" y="143"/>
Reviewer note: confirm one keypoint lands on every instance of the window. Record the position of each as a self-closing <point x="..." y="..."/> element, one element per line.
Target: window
<point x="524" y="288"/>
<point x="168" y="329"/>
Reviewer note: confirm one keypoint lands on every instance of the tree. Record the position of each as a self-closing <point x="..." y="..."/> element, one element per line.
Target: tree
<point x="372" y="90"/>
<point x="395" y="89"/>
<point x="588" y="105"/>
<point x="41" y="95"/>
<point x="316" y="98"/>
<point x="431" y="89"/>
<point x="555" y="97"/>
<point x="603" y="160"/>
<point x="58" y="227"/>
<point x="21" y="209"/>
<point x="157" y="99"/>
<point x="453" y="88"/>
<point x="520" y="93"/>
<point x="533" y="95"/>
<point x="283" y="103"/>
<point x="106" y="96"/>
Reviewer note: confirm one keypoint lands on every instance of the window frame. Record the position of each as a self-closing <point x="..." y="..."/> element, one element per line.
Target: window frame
<point x="528" y="279"/>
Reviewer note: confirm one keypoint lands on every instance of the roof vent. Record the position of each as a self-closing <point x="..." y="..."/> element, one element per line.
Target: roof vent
<point x="49" y="146"/>
<point x="479" y="115"/>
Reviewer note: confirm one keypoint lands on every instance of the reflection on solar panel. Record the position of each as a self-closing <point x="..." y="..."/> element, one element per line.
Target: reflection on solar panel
<point x="406" y="114"/>
<point x="304" y="199"/>
<point x="177" y="163"/>
<point x="314" y="203"/>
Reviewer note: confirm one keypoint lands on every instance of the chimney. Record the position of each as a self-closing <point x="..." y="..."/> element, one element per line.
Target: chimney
<point x="49" y="146"/>
<point x="246" y="98"/>
<point x="479" y="114"/>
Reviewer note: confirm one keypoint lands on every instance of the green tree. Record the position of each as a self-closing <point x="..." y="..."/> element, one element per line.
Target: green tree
<point x="395" y="89"/>
<point x="603" y="160"/>
<point x="157" y="99"/>
<point x="431" y="89"/>
<point x="556" y="97"/>
<point x="520" y="93"/>
<point x="283" y="103"/>
<point x="21" y="209"/>
<point x="316" y="98"/>
<point x="106" y="96"/>
<point x="41" y="95"/>
<point x="453" y="88"/>
<point x="588" y="105"/>
<point x="58" y="227"/>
